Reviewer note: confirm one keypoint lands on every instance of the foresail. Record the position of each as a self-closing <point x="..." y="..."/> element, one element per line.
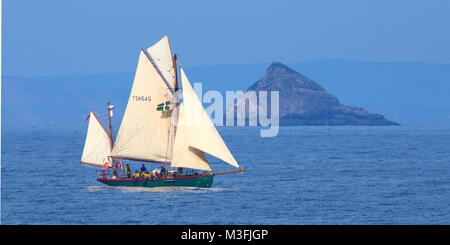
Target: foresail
<point x="198" y="127"/>
<point x="144" y="131"/>
<point x="183" y="154"/>
<point x="161" y="54"/>
<point x="97" y="146"/>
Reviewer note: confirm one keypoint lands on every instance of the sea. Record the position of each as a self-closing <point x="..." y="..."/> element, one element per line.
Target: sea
<point x="305" y="175"/>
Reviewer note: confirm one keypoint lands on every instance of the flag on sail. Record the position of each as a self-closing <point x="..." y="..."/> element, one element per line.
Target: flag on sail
<point x="97" y="146"/>
<point x="163" y="106"/>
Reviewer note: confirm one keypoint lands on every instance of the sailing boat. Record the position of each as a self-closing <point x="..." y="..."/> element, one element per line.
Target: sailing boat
<point x="163" y="123"/>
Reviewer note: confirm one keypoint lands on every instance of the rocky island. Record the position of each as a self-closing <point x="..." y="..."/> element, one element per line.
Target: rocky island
<point x="302" y="101"/>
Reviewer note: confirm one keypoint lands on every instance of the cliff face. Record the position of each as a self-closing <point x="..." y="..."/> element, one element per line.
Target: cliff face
<point x="304" y="102"/>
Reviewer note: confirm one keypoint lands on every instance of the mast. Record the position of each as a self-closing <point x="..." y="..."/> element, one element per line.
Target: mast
<point x="110" y="107"/>
<point x="176" y="72"/>
<point x="172" y="128"/>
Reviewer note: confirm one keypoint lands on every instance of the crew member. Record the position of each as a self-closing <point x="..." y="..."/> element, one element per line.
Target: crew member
<point x="163" y="171"/>
<point x="143" y="169"/>
<point x="180" y="172"/>
<point x="128" y="171"/>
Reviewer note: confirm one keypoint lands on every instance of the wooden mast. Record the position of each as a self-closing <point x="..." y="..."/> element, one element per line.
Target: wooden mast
<point x="110" y="130"/>
<point x="176" y="72"/>
<point x="110" y="124"/>
<point x="172" y="131"/>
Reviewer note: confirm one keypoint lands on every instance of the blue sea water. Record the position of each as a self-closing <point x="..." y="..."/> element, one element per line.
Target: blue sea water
<point x="305" y="175"/>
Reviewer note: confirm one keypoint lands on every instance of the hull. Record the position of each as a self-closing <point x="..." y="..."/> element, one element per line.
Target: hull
<point x="202" y="181"/>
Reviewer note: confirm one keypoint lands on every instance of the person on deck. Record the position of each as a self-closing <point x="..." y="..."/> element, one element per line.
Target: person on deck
<point x="146" y="177"/>
<point x="152" y="175"/>
<point x="156" y="173"/>
<point x="143" y="169"/>
<point x="136" y="176"/>
<point x="115" y="176"/>
<point x="180" y="172"/>
<point x="163" y="171"/>
<point x="105" y="168"/>
<point x="128" y="171"/>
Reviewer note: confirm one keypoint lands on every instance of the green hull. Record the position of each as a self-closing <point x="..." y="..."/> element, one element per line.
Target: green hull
<point x="202" y="181"/>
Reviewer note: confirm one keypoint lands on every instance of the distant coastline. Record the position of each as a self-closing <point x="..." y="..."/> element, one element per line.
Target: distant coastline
<point x="406" y="92"/>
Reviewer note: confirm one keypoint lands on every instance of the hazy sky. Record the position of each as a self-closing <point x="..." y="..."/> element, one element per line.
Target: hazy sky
<point x="43" y="37"/>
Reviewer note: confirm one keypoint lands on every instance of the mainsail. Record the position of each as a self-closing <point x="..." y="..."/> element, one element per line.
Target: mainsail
<point x="161" y="54"/>
<point x="97" y="147"/>
<point x="144" y="131"/>
<point x="196" y="133"/>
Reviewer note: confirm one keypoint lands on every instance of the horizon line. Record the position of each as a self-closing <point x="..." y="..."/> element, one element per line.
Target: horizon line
<point x="228" y="64"/>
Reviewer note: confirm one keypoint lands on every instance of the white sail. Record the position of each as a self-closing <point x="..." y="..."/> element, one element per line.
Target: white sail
<point x="144" y="131"/>
<point x="97" y="146"/>
<point x="183" y="154"/>
<point x="198" y="127"/>
<point x="161" y="54"/>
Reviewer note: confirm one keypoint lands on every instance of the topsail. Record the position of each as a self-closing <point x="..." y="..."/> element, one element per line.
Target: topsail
<point x="161" y="54"/>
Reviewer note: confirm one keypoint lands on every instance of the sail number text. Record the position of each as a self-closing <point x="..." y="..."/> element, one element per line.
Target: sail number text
<point x="142" y="98"/>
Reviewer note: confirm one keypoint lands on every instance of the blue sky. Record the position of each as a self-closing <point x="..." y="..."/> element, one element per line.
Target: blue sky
<point x="43" y="37"/>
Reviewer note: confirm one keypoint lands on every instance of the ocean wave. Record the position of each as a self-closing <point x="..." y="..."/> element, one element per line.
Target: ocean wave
<point x="157" y="189"/>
